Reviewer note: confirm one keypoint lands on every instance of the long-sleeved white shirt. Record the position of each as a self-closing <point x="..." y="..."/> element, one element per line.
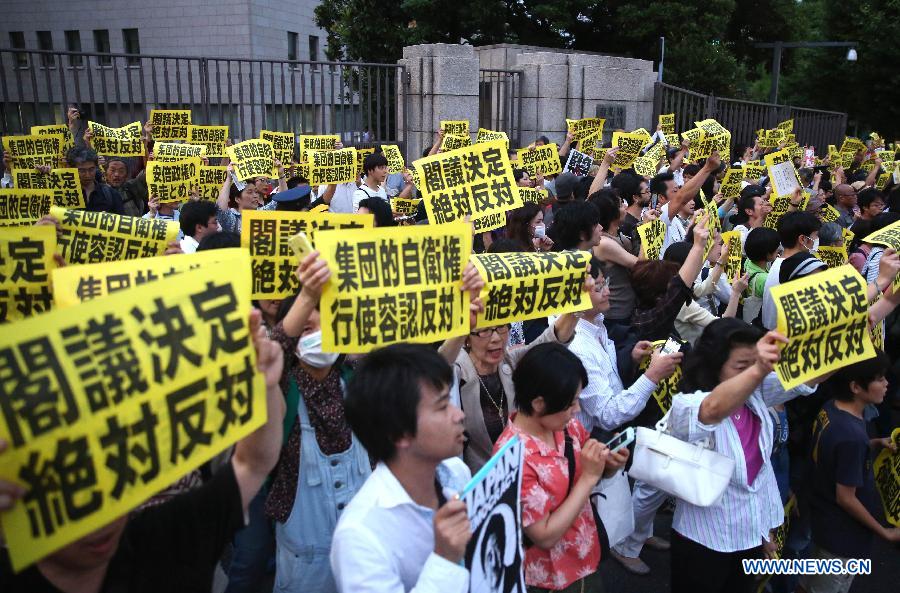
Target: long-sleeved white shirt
<point x="605" y="402"/>
<point x="745" y="513"/>
<point x="384" y="542"/>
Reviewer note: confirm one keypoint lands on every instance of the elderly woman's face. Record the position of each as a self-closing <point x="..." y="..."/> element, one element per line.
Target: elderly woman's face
<point x="489" y="344"/>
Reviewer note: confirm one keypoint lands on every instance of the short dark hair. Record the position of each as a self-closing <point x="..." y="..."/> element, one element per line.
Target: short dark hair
<point x="862" y="373"/>
<point x="372" y="161"/>
<point x="550" y="371"/>
<point x="518" y="174"/>
<point x="628" y="186"/>
<point x="380" y="209"/>
<point x="607" y="203"/>
<point x="747" y="201"/>
<point x="384" y="393"/>
<point x="658" y="184"/>
<point x="81" y="154"/>
<point x="572" y="222"/>
<point x="704" y="362"/>
<point x="194" y="213"/>
<point x="761" y="243"/>
<point x="221" y="240"/>
<point x="677" y="252"/>
<point x="865" y="198"/>
<point x="543" y="139"/>
<point x="653" y="277"/>
<point x="794" y="225"/>
<point x="691" y="169"/>
<point x="296" y="180"/>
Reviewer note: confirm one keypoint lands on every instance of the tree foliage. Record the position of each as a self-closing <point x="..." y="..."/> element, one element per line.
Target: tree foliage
<point x="709" y="44"/>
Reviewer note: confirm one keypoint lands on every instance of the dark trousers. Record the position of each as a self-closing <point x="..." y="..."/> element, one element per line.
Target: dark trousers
<point x="697" y="569"/>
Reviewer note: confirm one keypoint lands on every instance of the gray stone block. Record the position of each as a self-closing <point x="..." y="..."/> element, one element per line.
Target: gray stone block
<point x="553" y="81"/>
<point x="455" y="76"/>
<point x="544" y="58"/>
<point x="529" y="78"/>
<point x="614" y="84"/>
<point x="453" y="50"/>
<point x="455" y="107"/>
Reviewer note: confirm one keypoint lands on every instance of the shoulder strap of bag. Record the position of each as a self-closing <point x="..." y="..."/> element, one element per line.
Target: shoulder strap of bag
<point x="569" y="452"/>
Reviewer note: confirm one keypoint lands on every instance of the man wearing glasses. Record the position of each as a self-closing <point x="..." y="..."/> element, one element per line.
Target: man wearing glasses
<point x="845" y="202"/>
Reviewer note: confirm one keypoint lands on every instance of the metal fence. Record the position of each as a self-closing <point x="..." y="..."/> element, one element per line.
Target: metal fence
<point x="500" y="102"/>
<point x="744" y="118"/>
<point x="359" y="101"/>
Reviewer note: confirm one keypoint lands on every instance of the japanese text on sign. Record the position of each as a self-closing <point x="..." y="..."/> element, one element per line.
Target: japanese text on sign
<point x="361" y="154"/>
<point x="332" y="166"/>
<point x="93" y="237"/>
<point x="834" y="257"/>
<point x="458" y="127"/>
<point x="543" y="158"/>
<point x="394" y="158"/>
<point x="733" y="265"/>
<point x="782" y="173"/>
<point x="521" y="286"/>
<point x="485" y="135"/>
<point x="405" y="206"/>
<point x="887" y="480"/>
<point x="72" y="285"/>
<point x="667" y="123"/>
<point x="124" y="141"/>
<point x="26" y="260"/>
<point x="62" y="129"/>
<point x="321" y="142"/>
<point x="29" y="152"/>
<point x="454" y="141"/>
<point x="394" y="284"/>
<point x="578" y="163"/>
<point x="210" y="181"/>
<point x="283" y="143"/>
<point x="252" y="158"/>
<point x="24" y="206"/>
<point x="629" y="145"/>
<point x="889" y="236"/>
<point x="530" y="194"/>
<point x="585" y="128"/>
<point x="173" y="151"/>
<point x="653" y="235"/>
<point x="106" y="403"/>
<point x="666" y="388"/>
<point x="825" y="316"/>
<point x="170" y="124"/>
<point x="476" y="181"/>
<point x="172" y="182"/>
<point x="64" y="183"/>
<point x="212" y="137"/>
<point x="272" y="261"/>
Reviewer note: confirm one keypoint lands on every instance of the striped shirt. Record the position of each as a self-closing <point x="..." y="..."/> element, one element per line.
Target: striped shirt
<point x="605" y="402"/>
<point x="745" y="513"/>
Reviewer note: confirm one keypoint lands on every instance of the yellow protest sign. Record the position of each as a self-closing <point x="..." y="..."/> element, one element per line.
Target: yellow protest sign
<point x="732" y="240"/>
<point x="828" y="213"/>
<point x="91" y="237"/>
<point x="62" y="129"/>
<point x="753" y="172"/>
<point x="591" y="146"/>
<point x="172" y="182"/>
<point x="124" y="141"/>
<point x="132" y="396"/>
<point x="252" y="158"/>
<point x="585" y="128"/>
<point x="692" y="135"/>
<point x="825" y="316"/>
<point x="731" y="183"/>
<point x="645" y="166"/>
<point x="542" y="158"/>
<point x="405" y="206"/>
<point x="459" y="127"/>
<point x="476" y="181"/>
<point x="73" y="285"/>
<point x="781" y="206"/>
<point x="26" y="260"/>
<point x="883" y="179"/>
<point x="530" y="194"/>
<point x="212" y="137"/>
<point x="667" y="123"/>
<point x="485" y="135"/>
<point x="714" y="223"/>
<point x="24" y="207"/>
<point x="673" y="140"/>
<point x="656" y="152"/>
<point x="629" y="145"/>
<point x="890" y="237"/>
<point x="168" y="152"/>
<point x="361" y="154"/>
<point x="273" y="263"/>
<point x="170" y="124"/>
<point x="454" y="141"/>
<point x="394" y="284"/>
<point x="319" y="142"/>
<point x="887" y="480"/>
<point x="653" y="235"/>
<point x="782" y="173"/>
<point x="29" y="152"/>
<point x="835" y="257"/>
<point x="394" y="158"/>
<point x="283" y="144"/>
<point x="63" y="183"/>
<point x="521" y="286"/>
<point x="578" y="163"/>
<point x="852" y="146"/>
<point x="847" y="235"/>
<point x="210" y="181"/>
<point x="332" y="166"/>
<point x="666" y="388"/>
<point x="787" y="125"/>
<point x="708" y="143"/>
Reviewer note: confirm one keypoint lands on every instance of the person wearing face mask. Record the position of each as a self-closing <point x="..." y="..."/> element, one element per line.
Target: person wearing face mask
<point x="799" y="233"/>
<point x="322" y="464"/>
<point x="525" y="225"/>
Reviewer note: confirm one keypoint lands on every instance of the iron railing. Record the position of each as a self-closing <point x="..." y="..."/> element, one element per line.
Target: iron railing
<point x="346" y="98"/>
<point x="500" y="102"/>
<point x="743" y="118"/>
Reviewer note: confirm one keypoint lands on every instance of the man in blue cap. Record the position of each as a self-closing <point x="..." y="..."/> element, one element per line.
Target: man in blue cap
<point x="292" y="200"/>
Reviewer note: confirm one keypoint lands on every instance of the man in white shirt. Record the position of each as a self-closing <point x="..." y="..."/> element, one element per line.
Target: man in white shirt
<point x="799" y="233"/>
<point x="197" y="220"/>
<point x="404" y="530"/>
<point x="678" y="203"/>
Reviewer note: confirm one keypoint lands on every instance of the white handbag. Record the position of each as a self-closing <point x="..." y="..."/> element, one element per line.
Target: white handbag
<point x="693" y="472"/>
<point x="612" y="499"/>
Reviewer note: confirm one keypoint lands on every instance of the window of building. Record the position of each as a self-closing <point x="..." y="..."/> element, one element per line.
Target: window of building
<point x="17" y="41"/>
<point x="45" y="42"/>
<point x="293" y="41"/>
<point x="132" y="44"/>
<point x="101" y="46"/>
<point x="73" y="43"/>
<point x="313" y="48"/>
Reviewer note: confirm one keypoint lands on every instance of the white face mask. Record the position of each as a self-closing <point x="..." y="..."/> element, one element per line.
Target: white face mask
<point x="309" y="350"/>
<point x="540" y="231"/>
<point x="814" y="246"/>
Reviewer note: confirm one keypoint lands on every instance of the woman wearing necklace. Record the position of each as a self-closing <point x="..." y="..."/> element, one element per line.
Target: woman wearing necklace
<point x="484" y="366"/>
